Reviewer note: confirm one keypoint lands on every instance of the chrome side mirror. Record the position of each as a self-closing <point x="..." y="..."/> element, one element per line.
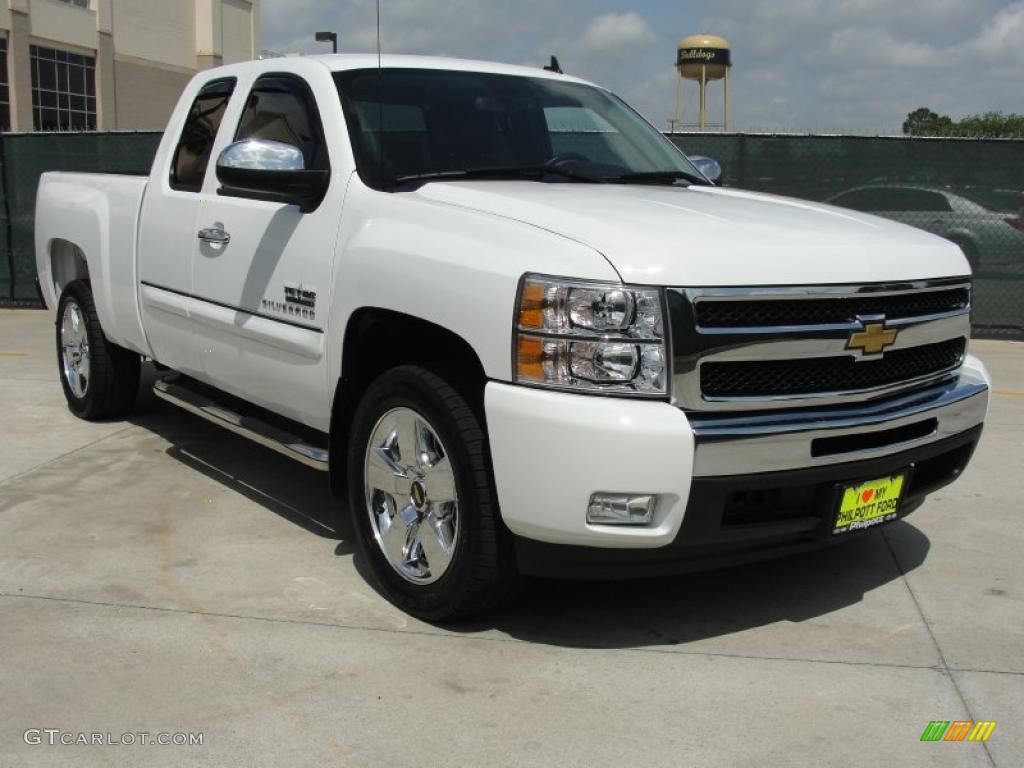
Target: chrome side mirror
<point x="262" y="155"/>
<point x="708" y="166"/>
<point x="263" y="169"/>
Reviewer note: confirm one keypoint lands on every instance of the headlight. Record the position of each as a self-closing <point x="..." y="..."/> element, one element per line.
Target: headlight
<point x="591" y="337"/>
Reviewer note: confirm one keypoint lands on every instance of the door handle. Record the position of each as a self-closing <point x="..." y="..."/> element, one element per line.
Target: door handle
<point x="214" y="235"/>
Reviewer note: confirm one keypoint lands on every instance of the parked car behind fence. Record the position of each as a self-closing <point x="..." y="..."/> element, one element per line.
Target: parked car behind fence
<point x="990" y="239"/>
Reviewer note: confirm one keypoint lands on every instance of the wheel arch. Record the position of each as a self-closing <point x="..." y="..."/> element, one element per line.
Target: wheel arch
<point x="377" y="340"/>
<point x="67" y="263"/>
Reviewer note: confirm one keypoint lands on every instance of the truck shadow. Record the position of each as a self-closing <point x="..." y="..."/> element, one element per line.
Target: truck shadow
<point x="291" y="490"/>
<point x="683" y="609"/>
<point x="616" y="614"/>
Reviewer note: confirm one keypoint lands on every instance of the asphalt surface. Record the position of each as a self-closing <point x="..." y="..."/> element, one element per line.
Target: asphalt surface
<point x="159" y="575"/>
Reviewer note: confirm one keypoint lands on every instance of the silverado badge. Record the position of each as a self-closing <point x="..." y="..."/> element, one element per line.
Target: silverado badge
<point x="299" y="301"/>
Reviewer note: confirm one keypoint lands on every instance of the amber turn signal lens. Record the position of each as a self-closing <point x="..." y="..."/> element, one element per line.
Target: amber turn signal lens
<point x="531" y="306"/>
<point x="530" y="360"/>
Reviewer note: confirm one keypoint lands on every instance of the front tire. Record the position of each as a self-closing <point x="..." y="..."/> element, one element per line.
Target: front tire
<point x="422" y="498"/>
<point x="100" y="379"/>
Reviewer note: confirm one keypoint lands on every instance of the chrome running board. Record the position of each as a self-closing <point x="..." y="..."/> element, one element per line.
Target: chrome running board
<point x="176" y="390"/>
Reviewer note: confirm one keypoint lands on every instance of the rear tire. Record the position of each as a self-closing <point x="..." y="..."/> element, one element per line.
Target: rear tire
<point x="434" y="557"/>
<point x="100" y="379"/>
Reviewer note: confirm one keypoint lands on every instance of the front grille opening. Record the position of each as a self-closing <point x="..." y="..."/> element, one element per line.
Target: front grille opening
<point x="776" y="312"/>
<point x="777" y="504"/>
<point x="782" y="378"/>
<point x="769" y="505"/>
<point x="836" y="446"/>
<point x="932" y="474"/>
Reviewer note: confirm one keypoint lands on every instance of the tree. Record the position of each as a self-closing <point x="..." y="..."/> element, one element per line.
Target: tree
<point x="994" y="125"/>
<point x="923" y="122"/>
<point x="991" y="125"/>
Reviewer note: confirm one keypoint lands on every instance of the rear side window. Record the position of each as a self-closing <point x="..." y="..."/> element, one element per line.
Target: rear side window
<point x="197" y="137"/>
<point x="281" y="108"/>
<point x="920" y="200"/>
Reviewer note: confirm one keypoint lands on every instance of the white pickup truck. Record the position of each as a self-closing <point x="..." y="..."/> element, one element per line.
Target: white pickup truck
<point x="523" y="333"/>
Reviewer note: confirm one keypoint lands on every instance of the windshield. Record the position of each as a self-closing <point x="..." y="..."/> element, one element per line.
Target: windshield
<point x="418" y="124"/>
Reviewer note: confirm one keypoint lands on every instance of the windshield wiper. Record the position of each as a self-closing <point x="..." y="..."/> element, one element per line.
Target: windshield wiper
<point x="657" y="177"/>
<point x="515" y="172"/>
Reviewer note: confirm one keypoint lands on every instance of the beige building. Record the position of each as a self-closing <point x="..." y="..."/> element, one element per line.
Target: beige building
<point x="112" y="64"/>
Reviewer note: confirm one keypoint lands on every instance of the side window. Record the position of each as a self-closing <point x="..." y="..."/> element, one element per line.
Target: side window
<point x="196" y="143"/>
<point x="282" y="108"/>
<point x="932" y="202"/>
<point x="908" y="199"/>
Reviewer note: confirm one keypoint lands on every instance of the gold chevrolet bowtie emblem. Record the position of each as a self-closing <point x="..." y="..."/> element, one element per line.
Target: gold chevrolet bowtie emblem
<point x="873" y="339"/>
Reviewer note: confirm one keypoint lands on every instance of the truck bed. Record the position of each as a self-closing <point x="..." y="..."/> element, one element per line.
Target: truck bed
<point x="99" y="213"/>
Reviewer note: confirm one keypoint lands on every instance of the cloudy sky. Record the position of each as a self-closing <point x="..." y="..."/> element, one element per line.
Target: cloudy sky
<point x="799" y="65"/>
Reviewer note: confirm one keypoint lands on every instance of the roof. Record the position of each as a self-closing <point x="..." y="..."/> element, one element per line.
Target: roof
<point x="344" y="61"/>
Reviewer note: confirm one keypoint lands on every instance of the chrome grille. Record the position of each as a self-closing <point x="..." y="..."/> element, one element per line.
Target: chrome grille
<point x="776" y="378"/>
<point x="740" y="314"/>
<point x="763" y="348"/>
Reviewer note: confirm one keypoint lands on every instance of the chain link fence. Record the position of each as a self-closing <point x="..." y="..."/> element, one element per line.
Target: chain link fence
<point x="970" y="191"/>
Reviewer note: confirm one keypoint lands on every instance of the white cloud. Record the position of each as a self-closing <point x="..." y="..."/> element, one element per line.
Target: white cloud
<point x="862" y="65"/>
<point x="616" y="34"/>
<point x="1001" y="38"/>
<point x="448" y="27"/>
<point x="288" y="25"/>
<point x="468" y="28"/>
<point x="611" y="49"/>
<point x="912" y="17"/>
<point x="873" y="49"/>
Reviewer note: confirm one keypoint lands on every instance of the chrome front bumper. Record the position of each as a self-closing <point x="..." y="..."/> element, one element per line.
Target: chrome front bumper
<point x="743" y="443"/>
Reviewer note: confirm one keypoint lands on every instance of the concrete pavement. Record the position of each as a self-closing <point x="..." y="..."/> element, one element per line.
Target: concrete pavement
<point x="162" y="575"/>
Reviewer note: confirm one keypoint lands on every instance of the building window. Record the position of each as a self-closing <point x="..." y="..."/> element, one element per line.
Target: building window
<point x="5" y="89"/>
<point x="77" y="3"/>
<point x="63" y="90"/>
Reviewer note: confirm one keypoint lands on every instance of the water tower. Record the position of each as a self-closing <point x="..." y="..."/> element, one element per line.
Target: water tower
<point x="703" y="58"/>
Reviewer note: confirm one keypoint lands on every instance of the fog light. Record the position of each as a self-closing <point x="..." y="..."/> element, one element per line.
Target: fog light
<point x="621" y="509"/>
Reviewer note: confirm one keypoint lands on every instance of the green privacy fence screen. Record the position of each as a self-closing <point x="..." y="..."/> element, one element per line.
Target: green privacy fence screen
<point x="969" y="191"/>
<point x="23" y="159"/>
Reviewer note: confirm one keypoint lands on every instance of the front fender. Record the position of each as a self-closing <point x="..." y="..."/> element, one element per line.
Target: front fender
<point x="454" y="267"/>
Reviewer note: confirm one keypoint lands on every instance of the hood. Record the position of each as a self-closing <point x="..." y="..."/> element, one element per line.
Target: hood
<point x="709" y="236"/>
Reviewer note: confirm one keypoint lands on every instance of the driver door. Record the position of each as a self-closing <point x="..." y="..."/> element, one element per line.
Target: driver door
<point x="262" y="270"/>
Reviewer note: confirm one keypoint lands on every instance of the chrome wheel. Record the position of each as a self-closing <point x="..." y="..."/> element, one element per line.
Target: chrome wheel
<point x="410" y="496"/>
<point x="74" y="343"/>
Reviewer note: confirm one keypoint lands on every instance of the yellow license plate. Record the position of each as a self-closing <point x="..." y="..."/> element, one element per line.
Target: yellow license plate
<point x="867" y="504"/>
